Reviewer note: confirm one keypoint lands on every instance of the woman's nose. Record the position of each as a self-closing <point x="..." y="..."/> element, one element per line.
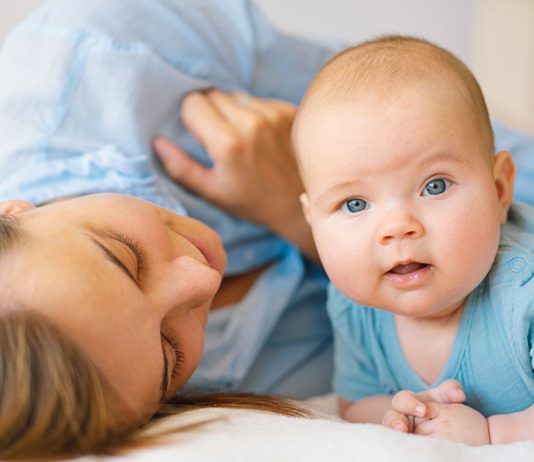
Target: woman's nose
<point x="399" y="225"/>
<point x="186" y="283"/>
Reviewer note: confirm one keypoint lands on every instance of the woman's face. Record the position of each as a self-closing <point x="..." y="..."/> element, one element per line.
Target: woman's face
<point x="129" y="282"/>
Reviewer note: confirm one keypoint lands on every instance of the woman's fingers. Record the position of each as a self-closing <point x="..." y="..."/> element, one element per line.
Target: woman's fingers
<point x="183" y="169"/>
<point x="278" y="113"/>
<point x="254" y="174"/>
<point x="250" y="115"/>
<point x="249" y="127"/>
<point x="211" y="127"/>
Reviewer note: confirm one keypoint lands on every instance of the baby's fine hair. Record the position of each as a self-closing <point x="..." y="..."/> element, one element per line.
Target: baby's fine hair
<point x="389" y="63"/>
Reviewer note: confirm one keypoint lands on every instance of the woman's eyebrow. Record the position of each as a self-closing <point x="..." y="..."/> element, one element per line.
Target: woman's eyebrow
<point x="113" y="259"/>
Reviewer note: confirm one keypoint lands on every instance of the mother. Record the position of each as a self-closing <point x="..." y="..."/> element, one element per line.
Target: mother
<point x="84" y="88"/>
<point x="105" y="297"/>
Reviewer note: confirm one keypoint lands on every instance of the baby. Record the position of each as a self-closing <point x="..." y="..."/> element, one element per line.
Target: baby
<point x="431" y="264"/>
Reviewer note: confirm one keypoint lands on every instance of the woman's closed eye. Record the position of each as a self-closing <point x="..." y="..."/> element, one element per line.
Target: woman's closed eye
<point x="118" y="257"/>
<point x="176" y="362"/>
<point x="135" y="248"/>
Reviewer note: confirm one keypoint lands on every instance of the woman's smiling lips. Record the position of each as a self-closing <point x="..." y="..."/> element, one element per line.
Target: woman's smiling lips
<point x="211" y="250"/>
<point x="408" y="275"/>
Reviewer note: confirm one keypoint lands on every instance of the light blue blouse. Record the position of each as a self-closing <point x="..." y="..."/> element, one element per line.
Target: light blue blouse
<point x="86" y="84"/>
<point x="493" y="352"/>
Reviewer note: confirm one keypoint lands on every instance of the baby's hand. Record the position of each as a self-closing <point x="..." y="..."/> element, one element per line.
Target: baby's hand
<point x="454" y="422"/>
<point x="405" y="405"/>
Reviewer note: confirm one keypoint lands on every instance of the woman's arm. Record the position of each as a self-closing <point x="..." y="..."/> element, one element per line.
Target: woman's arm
<point x="254" y="174"/>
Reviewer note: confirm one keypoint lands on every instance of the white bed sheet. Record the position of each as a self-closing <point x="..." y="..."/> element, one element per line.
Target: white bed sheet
<point x="250" y="436"/>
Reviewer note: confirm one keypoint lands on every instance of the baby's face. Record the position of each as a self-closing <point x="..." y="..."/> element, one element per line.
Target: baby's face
<point x="402" y="200"/>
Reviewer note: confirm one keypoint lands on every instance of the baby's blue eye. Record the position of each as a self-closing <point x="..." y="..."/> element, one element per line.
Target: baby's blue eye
<point x="436" y="187"/>
<point x="355" y="205"/>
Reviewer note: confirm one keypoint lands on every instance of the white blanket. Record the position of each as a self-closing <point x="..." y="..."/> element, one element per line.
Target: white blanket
<point x="251" y="436"/>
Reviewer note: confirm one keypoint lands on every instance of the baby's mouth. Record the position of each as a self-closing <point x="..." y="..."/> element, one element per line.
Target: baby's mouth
<point x="407" y="268"/>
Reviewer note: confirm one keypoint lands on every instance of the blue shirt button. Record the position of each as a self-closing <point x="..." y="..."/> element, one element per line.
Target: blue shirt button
<point x="518" y="264"/>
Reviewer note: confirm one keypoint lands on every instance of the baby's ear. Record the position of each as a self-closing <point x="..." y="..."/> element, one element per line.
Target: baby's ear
<point x="14" y="207"/>
<point x="504" y="176"/>
<point x="305" y="202"/>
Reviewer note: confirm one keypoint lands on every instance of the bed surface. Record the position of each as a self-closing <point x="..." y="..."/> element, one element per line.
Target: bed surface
<point x="238" y="435"/>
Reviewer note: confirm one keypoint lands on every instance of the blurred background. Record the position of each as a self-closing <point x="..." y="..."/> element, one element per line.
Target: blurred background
<point x="494" y="37"/>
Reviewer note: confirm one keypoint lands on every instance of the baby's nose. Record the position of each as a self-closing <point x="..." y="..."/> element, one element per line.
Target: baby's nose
<point x="400" y="226"/>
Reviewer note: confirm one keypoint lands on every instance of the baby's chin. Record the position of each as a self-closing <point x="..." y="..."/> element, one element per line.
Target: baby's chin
<point x="422" y="307"/>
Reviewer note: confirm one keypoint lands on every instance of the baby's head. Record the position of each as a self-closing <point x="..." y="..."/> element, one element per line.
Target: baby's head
<point x="404" y="193"/>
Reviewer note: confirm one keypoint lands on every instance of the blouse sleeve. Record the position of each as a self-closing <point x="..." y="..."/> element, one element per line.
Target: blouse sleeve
<point x="285" y="64"/>
<point x="85" y="85"/>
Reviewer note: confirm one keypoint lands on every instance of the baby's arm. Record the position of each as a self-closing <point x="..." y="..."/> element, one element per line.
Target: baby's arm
<point x="366" y="410"/>
<point x="462" y="424"/>
<point x="507" y="428"/>
<point x="395" y="411"/>
<point x="454" y="422"/>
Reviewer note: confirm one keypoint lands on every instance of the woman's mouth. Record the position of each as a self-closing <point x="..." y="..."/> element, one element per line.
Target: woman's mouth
<point x="408" y="274"/>
<point x="211" y="251"/>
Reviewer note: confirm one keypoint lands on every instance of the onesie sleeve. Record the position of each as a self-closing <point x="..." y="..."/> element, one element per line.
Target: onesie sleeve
<point x="355" y="373"/>
<point x="512" y="285"/>
<point x="523" y="326"/>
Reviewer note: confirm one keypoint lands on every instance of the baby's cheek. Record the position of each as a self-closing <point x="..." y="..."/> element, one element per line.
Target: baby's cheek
<point x="344" y="257"/>
<point x="469" y="252"/>
<point x="348" y="276"/>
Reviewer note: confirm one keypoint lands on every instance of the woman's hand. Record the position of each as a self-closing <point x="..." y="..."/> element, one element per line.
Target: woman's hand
<point x="254" y="175"/>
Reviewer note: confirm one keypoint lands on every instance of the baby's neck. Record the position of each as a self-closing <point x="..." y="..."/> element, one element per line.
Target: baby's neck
<point x="435" y="322"/>
<point x="426" y="343"/>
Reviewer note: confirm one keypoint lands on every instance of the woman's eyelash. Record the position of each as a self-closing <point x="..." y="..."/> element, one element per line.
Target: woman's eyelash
<point x="136" y="249"/>
<point x="178" y="354"/>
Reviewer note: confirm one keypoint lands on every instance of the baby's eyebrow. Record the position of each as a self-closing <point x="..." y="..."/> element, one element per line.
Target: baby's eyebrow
<point x="335" y="190"/>
<point x="445" y="156"/>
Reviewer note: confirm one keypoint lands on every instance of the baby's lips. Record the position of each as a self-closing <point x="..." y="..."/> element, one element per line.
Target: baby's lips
<point x="406" y="268"/>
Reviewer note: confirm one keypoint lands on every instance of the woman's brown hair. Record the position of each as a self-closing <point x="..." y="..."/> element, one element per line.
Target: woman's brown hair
<point x="54" y="403"/>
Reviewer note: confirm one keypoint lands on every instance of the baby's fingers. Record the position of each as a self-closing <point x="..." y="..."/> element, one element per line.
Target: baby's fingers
<point x="396" y="421"/>
<point x="449" y="391"/>
<point x="426" y="428"/>
<point x="407" y="403"/>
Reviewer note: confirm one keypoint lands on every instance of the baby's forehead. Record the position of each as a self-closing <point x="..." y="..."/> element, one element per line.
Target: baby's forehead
<point x="349" y="133"/>
<point x="376" y="104"/>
